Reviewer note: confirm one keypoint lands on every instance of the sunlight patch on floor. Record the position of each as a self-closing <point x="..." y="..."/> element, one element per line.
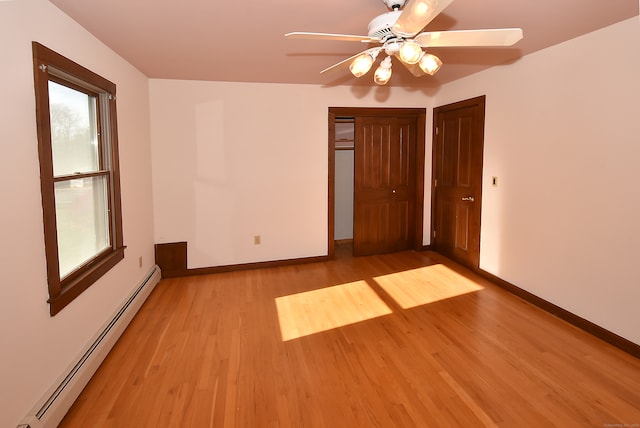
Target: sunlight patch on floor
<point x="328" y="308"/>
<point x="425" y="285"/>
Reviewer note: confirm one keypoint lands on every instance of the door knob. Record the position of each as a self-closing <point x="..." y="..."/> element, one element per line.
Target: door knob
<point x="469" y="198"/>
<point x="393" y="191"/>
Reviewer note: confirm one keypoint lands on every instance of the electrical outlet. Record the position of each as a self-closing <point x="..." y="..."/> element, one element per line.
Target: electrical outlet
<point x="257" y="240"/>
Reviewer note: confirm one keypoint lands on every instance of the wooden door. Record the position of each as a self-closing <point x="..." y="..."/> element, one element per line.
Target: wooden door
<point x="384" y="184"/>
<point x="457" y="180"/>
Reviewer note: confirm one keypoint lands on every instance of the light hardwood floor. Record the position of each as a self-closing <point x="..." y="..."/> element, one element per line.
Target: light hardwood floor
<point x="399" y="340"/>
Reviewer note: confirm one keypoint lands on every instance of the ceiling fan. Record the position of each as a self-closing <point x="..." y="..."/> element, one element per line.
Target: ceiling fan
<point x="398" y="33"/>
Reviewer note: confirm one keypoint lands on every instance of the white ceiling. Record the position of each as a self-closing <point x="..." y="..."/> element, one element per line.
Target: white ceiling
<point x="243" y="41"/>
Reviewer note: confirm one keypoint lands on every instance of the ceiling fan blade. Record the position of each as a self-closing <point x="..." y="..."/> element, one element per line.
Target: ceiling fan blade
<point x="328" y="36"/>
<point x="497" y="37"/>
<point x="413" y="68"/>
<point x="417" y="15"/>
<point x="334" y="66"/>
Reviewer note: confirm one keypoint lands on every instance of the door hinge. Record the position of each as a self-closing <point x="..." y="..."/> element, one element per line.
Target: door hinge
<point x="434" y="233"/>
<point x="437" y="130"/>
<point x="435" y="183"/>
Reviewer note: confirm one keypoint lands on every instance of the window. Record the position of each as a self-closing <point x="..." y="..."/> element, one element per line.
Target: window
<point x="79" y="174"/>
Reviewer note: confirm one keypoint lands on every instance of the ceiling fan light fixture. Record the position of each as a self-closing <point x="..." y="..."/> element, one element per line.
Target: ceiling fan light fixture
<point x="410" y="52"/>
<point x="430" y="64"/>
<point x="383" y="72"/>
<point x="400" y="32"/>
<point x="361" y="64"/>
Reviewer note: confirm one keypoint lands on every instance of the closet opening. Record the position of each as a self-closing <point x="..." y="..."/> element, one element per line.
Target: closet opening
<point x="376" y="179"/>
<point x="343" y="185"/>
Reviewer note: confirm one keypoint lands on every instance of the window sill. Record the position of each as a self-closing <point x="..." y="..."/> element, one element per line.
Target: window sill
<point x="84" y="281"/>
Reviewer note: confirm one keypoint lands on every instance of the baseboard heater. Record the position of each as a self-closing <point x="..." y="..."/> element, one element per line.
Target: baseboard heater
<point x="56" y="403"/>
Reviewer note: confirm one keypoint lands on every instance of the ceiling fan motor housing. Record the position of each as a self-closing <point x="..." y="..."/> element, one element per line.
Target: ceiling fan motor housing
<point x="380" y="26"/>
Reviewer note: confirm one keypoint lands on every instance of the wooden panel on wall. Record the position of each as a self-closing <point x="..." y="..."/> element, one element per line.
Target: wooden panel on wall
<point x="172" y="258"/>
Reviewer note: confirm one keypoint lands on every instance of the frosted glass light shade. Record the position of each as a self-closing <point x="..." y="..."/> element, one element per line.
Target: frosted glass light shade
<point x="410" y="52"/>
<point x="361" y="64"/>
<point x="383" y="72"/>
<point x="430" y="64"/>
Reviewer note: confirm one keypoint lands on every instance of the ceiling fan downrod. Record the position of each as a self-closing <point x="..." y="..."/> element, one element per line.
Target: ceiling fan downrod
<point x="394" y="4"/>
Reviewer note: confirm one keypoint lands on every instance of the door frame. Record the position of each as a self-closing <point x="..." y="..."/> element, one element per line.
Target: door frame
<point x="421" y="115"/>
<point x="479" y="102"/>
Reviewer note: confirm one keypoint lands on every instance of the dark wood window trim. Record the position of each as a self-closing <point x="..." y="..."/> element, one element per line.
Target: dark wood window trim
<point x="49" y="65"/>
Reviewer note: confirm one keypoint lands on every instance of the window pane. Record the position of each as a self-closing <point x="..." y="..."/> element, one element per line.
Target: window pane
<point x="74" y="131"/>
<point x="82" y="221"/>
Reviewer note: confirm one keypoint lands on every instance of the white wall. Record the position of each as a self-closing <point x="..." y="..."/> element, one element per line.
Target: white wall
<point x="235" y="160"/>
<point x="36" y="348"/>
<point x="562" y="135"/>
